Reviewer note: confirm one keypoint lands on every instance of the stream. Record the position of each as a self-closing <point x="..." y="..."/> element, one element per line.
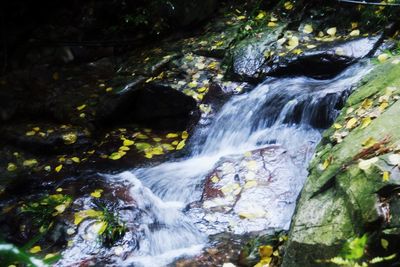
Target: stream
<point x="281" y="117"/>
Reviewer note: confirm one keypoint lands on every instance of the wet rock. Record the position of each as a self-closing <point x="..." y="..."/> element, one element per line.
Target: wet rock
<point x="325" y="60"/>
<point x="255" y="59"/>
<point x="154" y="106"/>
<point x="343" y="197"/>
<point x="249" y="193"/>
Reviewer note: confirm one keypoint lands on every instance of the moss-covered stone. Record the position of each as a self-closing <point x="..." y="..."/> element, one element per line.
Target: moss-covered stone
<point x="341" y="197"/>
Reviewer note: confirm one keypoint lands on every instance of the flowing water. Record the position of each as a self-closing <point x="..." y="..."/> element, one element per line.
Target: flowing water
<point x="284" y="112"/>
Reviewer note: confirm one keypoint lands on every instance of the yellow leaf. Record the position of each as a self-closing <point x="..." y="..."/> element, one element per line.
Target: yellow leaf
<point x="369" y="142"/>
<point x="128" y="142"/>
<point x="241" y="17"/>
<point x="157" y="139"/>
<point x="247" y="154"/>
<point x="172" y="135"/>
<point x="69" y="138"/>
<point x="260" y="15"/>
<point x="385" y="176"/>
<point x="326" y="164"/>
<point x="351" y="123"/>
<point x="337" y="126"/>
<point x="175" y="143"/>
<point x="331" y="31"/>
<point x="293" y="42"/>
<point x="180" y="145"/>
<point x="82" y="107"/>
<point x="50" y="255"/>
<point x="202" y="89"/>
<point x="271" y="24"/>
<point x="90" y="213"/>
<point x="61" y="208"/>
<point x="109" y="89"/>
<point x="185" y="135"/>
<point x="76" y="159"/>
<point x="47" y="168"/>
<point x="250" y="184"/>
<point x="308" y="28"/>
<point x="367" y="103"/>
<point x="383" y="57"/>
<point x="100" y="227"/>
<point x="11" y="167"/>
<point x="383" y="106"/>
<point x="168" y="147"/>
<point x="30" y="133"/>
<point x="157" y="151"/>
<point x="265" y="251"/>
<point x="192" y="84"/>
<point x="384" y="243"/>
<point x="288" y="5"/>
<point x="97" y="193"/>
<point x="142" y="136"/>
<point x="58" y="168"/>
<point x="30" y="163"/>
<point x="35" y="249"/>
<point x="56" y="76"/>
<point x="117" y="155"/>
<point x="142" y="146"/>
<point x="215" y="179"/>
<point x="263" y="263"/>
<point x="354" y="25"/>
<point x="124" y="148"/>
<point x="355" y="33"/>
<point x="365" y="122"/>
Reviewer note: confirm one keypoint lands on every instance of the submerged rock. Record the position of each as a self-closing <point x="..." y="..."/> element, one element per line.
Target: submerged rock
<point x="252" y="192"/>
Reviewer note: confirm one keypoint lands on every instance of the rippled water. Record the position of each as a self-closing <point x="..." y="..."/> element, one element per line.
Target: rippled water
<point x="288" y="112"/>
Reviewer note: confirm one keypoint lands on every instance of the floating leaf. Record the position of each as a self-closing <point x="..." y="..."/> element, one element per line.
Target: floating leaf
<point x="271" y="24"/>
<point x="288" y="5"/>
<point x="180" y="145"/>
<point x="351" y="123"/>
<point x="293" y="42"/>
<point x="97" y="193"/>
<point x="124" y="148"/>
<point x="100" y="227"/>
<point x="202" y="89"/>
<point x="35" y="249"/>
<point x="185" y="135"/>
<point x="383" y="106"/>
<point x="260" y="15"/>
<point x="168" y="147"/>
<point x="58" y="168"/>
<point x="326" y="164"/>
<point x="192" y="84"/>
<point x="265" y="251"/>
<point x="142" y="136"/>
<point x="157" y="139"/>
<point x="308" y="28"/>
<point x="215" y="179"/>
<point x="367" y="103"/>
<point x="11" y="167"/>
<point x="250" y="184"/>
<point x="61" y="208"/>
<point x="385" y="176"/>
<point x="241" y="17"/>
<point x="366" y="164"/>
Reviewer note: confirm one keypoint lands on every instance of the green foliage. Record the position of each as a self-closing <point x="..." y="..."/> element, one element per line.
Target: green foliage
<point x="354" y="254"/>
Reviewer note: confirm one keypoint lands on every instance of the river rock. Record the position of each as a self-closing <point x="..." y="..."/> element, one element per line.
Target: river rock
<point x="252" y="192"/>
<point x="350" y="187"/>
<point x="271" y="55"/>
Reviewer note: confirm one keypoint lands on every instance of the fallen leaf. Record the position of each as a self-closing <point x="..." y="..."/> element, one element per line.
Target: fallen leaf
<point x="185" y="135"/>
<point x="90" y="213"/>
<point x="142" y="146"/>
<point x="288" y="5"/>
<point x="308" y="28"/>
<point x="117" y="155"/>
<point x="355" y="33"/>
<point x="172" y="135"/>
<point x="180" y="145"/>
<point x="369" y="142"/>
<point x="58" y="168"/>
<point x="351" y="123"/>
<point x="215" y="179"/>
<point x="35" y="249"/>
<point x="76" y="159"/>
<point x="30" y="133"/>
<point x="384" y="243"/>
<point x="367" y="103"/>
<point x="30" y="163"/>
<point x="385" y="176"/>
<point x="260" y="15"/>
<point x="82" y="107"/>
<point x="365" y="122"/>
<point x="96" y="193"/>
<point x="331" y="31"/>
<point x="69" y="138"/>
<point x="265" y="251"/>
<point x="271" y="24"/>
<point x="383" y="57"/>
<point x="11" y="167"/>
<point x="337" y="126"/>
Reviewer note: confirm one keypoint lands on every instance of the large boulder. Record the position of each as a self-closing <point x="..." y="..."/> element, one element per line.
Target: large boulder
<point x="353" y="174"/>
